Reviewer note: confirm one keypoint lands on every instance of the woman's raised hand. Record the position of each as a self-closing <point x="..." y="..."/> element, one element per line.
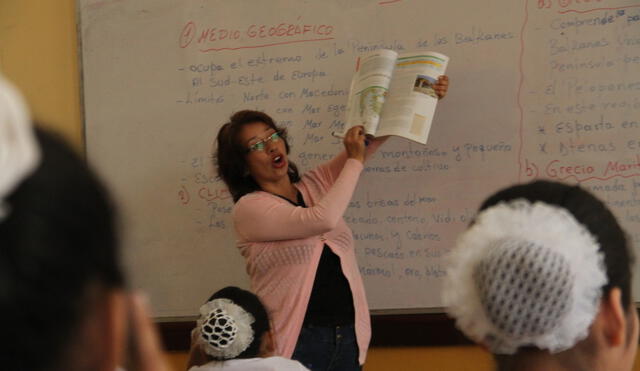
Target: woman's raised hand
<point x="354" y="143"/>
<point x="442" y="86"/>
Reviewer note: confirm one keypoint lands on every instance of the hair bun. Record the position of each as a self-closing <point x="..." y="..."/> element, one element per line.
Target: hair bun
<point x="225" y="329"/>
<point x="525" y="274"/>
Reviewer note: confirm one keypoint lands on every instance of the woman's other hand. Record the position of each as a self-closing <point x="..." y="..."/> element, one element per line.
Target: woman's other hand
<point x="354" y="143"/>
<point x="442" y="86"/>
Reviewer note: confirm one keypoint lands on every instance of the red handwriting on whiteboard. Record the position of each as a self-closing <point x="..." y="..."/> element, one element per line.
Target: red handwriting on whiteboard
<point x="559" y="170"/>
<point x="584" y="172"/>
<point x="184" y="196"/>
<point x="547" y="4"/>
<point x="562" y="5"/>
<point x="531" y="169"/>
<point x="219" y="194"/>
<point x="211" y="38"/>
<point x="623" y="168"/>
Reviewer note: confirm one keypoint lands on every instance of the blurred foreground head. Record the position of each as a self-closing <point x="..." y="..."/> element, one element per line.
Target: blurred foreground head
<point x="542" y="278"/>
<point x="60" y="279"/>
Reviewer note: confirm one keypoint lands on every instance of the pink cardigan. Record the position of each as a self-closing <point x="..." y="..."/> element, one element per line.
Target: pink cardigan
<point x="282" y="245"/>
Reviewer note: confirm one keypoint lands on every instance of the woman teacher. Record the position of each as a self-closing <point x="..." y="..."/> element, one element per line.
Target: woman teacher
<point x="299" y="251"/>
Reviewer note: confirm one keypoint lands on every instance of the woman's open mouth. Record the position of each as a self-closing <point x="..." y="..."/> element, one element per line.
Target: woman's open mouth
<point x="278" y="161"/>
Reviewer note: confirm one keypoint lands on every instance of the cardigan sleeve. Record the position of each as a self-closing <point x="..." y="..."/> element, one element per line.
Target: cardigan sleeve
<point x="332" y="169"/>
<point x="262" y="217"/>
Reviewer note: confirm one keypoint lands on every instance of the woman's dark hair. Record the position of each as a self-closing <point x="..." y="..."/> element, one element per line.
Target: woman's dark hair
<point x="58" y="241"/>
<point x="230" y="159"/>
<point x="250" y="303"/>
<point x="593" y="214"/>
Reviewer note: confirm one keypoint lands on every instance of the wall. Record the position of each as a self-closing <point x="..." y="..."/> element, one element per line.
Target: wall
<point x="38" y="52"/>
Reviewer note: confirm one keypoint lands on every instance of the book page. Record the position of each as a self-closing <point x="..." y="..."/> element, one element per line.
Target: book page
<point x="369" y="88"/>
<point x="411" y="102"/>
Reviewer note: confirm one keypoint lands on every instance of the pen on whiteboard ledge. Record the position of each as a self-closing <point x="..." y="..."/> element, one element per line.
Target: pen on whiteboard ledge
<point x="341" y="136"/>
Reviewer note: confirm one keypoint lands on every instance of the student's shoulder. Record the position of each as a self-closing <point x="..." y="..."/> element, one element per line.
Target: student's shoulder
<point x="252" y="197"/>
<point x="254" y="364"/>
<point x="282" y="364"/>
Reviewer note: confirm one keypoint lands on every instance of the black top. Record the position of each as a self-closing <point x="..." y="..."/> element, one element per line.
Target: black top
<point x="331" y="301"/>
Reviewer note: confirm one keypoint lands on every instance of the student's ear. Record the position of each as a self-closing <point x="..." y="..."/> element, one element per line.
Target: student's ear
<point x="612" y="319"/>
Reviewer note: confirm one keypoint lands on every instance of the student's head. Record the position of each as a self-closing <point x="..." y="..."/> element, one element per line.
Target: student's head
<point x="543" y="274"/>
<point x="241" y="164"/>
<point x="59" y="268"/>
<point x="233" y="324"/>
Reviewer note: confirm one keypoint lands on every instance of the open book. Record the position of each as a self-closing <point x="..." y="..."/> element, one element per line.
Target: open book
<point x="393" y="94"/>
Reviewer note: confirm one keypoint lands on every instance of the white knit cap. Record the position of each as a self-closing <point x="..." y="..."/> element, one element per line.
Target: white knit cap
<point x="19" y="152"/>
<point x="525" y="274"/>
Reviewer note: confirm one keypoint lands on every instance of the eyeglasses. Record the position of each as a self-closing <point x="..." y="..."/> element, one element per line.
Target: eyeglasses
<point x="259" y="145"/>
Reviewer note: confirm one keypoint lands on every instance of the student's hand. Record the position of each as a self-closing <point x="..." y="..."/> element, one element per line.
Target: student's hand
<point x="197" y="355"/>
<point x="354" y="143"/>
<point x="146" y="351"/>
<point x="442" y="86"/>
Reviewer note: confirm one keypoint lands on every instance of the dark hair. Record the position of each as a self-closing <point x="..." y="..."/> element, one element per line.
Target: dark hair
<point x="250" y="303"/>
<point x="58" y="241"/>
<point x="230" y="159"/>
<point x="593" y="214"/>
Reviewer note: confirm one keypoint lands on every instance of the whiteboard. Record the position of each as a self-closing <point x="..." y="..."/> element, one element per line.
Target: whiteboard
<point x="545" y="88"/>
